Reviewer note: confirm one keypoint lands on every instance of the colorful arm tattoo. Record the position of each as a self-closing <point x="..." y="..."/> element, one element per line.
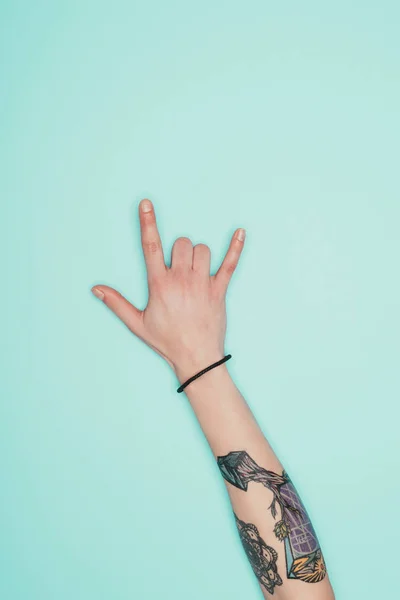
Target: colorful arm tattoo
<point x="303" y="554"/>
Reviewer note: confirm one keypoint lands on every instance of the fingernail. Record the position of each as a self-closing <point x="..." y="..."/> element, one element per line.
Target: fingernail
<point x="241" y="234"/>
<point x="146" y="206"/>
<point x="98" y="293"/>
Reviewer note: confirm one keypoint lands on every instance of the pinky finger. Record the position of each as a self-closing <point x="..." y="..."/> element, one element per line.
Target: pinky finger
<point x="230" y="262"/>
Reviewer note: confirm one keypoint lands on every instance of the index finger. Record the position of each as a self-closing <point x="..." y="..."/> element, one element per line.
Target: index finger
<point x="151" y="241"/>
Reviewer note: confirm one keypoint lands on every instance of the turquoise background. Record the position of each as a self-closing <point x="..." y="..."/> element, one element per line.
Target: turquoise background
<point x="280" y="118"/>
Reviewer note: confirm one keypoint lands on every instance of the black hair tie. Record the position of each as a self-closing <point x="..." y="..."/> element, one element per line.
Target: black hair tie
<point x="216" y="364"/>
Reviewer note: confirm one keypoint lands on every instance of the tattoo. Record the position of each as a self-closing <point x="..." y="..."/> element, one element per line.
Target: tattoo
<point x="261" y="556"/>
<point x="303" y="554"/>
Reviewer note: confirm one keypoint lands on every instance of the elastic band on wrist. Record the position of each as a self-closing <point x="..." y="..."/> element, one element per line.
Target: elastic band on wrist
<point x="216" y="364"/>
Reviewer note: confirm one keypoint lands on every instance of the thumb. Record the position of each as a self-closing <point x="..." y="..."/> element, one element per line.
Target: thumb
<point x="131" y="316"/>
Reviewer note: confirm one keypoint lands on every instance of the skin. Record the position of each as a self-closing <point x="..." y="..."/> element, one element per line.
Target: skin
<point x="185" y="323"/>
<point x="185" y="318"/>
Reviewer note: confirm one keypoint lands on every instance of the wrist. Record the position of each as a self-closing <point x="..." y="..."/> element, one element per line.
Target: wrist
<point x="192" y="365"/>
<point x="213" y="378"/>
<point x="210" y="383"/>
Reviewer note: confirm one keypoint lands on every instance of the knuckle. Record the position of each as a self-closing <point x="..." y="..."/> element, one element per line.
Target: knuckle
<point x="230" y="268"/>
<point x="151" y="246"/>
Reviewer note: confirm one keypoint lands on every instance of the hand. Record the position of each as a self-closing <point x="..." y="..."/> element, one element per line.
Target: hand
<point x="185" y="318"/>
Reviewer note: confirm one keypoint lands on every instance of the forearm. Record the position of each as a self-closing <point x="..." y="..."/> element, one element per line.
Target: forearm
<point x="222" y="412"/>
<point x="273" y="534"/>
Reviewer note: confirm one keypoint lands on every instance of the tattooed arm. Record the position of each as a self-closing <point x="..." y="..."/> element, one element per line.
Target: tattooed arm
<point x="185" y="323"/>
<point x="275" y="530"/>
